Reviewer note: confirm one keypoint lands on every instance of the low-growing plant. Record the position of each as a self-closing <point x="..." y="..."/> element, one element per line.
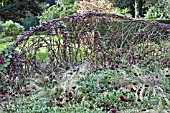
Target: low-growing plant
<point x="12" y="77"/>
<point x="130" y="89"/>
<point x="1" y="27"/>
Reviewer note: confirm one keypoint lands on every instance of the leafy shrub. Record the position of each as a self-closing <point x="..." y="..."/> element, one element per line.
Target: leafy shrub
<point x="165" y="21"/>
<point x="100" y="6"/>
<point x="124" y="11"/>
<point x="1" y="29"/>
<point x="1" y="26"/>
<point x="2" y="35"/>
<point x="2" y="40"/>
<point x="12" y="76"/>
<point x="12" y="29"/>
<point x="10" y="58"/>
<point x="94" y="5"/>
<point x="159" y="10"/>
<point x="59" y="10"/>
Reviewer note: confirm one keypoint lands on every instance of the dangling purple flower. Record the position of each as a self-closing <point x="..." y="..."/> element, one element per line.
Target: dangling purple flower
<point x="88" y="15"/>
<point x="44" y="23"/>
<point x="51" y="59"/>
<point x="91" y="29"/>
<point x="61" y="27"/>
<point x="73" y="20"/>
<point x="103" y="21"/>
<point x="96" y="35"/>
<point x="112" y="38"/>
<point x="42" y="27"/>
<point x="109" y="33"/>
<point x="65" y="37"/>
<point x="100" y="54"/>
<point x="88" y="42"/>
<point x="144" y="33"/>
<point x="65" y="49"/>
<point x="109" y="60"/>
<point x="16" y="60"/>
<point x="136" y="38"/>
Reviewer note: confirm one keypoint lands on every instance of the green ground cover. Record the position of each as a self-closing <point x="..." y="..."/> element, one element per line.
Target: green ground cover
<point x="135" y="89"/>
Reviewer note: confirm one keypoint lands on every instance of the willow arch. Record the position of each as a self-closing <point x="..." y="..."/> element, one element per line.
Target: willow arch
<point x="107" y="40"/>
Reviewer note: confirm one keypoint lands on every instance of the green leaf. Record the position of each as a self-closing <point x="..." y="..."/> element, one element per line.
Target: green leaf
<point x="25" y="70"/>
<point x="5" y="65"/>
<point x="10" y="56"/>
<point x="19" y="62"/>
<point x="21" y="81"/>
<point x="1" y="69"/>
<point x="16" y="52"/>
<point x="8" y="60"/>
<point x="6" y="50"/>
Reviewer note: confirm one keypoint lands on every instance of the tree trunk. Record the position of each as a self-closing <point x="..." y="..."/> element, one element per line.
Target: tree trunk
<point x="140" y="4"/>
<point x="132" y="8"/>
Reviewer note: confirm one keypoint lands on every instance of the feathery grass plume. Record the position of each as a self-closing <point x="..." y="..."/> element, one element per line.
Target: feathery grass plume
<point x="48" y="88"/>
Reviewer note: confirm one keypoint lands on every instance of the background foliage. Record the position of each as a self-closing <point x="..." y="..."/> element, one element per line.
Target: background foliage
<point x="38" y="11"/>
<point x="160" y="10"/>
<point x="60" y="9"/>
<point x="10" y="31"/>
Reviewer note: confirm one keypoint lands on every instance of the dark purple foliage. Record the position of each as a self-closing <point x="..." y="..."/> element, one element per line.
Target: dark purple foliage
<point x="103" y="21"/>
<point x="91" y="107"/>
<point x="122" y="98"/>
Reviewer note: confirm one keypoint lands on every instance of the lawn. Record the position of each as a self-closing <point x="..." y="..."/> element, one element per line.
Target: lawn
<point x="4" y="45"/>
